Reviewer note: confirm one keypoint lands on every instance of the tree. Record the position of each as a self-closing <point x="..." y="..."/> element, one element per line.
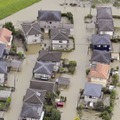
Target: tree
<point x="55" y="114"/>
<point x="9" y="26"/>
<point x="115" y="79"/>
<point x="99" y="106"/>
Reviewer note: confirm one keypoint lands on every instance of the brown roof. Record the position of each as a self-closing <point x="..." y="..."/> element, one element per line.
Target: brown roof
<point x="99" y="71"/>
<point x="5" y="35"/>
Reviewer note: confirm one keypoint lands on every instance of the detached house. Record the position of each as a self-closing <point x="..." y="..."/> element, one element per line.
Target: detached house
<point x="59" y="39"/>
<point x="104" y="21"/>
<point x="32" y="33"/>
<point x="43" y="70"/>
<point x="92" y="92"/>
<point x="100" y="57"/>
<point x="49" y="19"/>
<point x="101" y="42"/>
<point x="99" y="74"/>
<point x="49" y="56"/>
<point x="6" y="37"/>
<point x="33" y="105"/>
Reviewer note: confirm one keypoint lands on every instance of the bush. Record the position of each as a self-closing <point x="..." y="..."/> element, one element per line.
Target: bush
<point x="69" y="16"/>
<point x="99" y="106"/>
<point x="105" y="115"/>
<point x="87" y="71"/>
<point x="71" y="69"/>
<point x="115" y="79"/>
<point x="93" y="6"/>
<point x="73" y="63"/>
<point x="89" y="16"/>
<point x="105" y="90"/>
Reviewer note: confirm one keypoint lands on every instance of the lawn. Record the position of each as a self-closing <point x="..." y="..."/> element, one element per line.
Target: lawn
<point x="8" y="7"/>
<point x="2" y="105"/>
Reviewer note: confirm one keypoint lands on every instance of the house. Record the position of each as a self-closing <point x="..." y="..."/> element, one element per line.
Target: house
<point x="63" y="82"/>
<point x="33" y="104"/>
<point x="31" y="112"/>
<point x="3" y="72"/>
<point x="99" y="74"/>
<point x="49" y="19"/>
<point x="104" y="21"/>
<point x="6" y="37"/>
<point x="3" y="51"/>
<point x="35" y="96"/>
<point x="60" y="39"/>
<point x="92" y="92"/>
<point x="104" y="13"/>
<point x="43" y="70"/>
<point x="32" y="33"/>
<point x="101" y="42"/>
<point x="100" y="57"/>
<point x="43" y="85"/>
<point x="105" y="26"/>
<point x="49" y="56"/>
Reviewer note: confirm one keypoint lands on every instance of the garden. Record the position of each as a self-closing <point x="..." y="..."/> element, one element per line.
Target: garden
<point x="68" y="66"/>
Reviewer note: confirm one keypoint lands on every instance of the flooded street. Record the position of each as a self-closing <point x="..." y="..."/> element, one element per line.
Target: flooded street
<point x="80" y="55"/>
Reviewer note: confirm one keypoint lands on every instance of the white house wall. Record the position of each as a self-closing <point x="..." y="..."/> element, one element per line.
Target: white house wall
<point x="32" y="39"/>
<point x="107" y="32"/>
<point x="87" y="99"/>
<point x="49" y="24"/>
<point x="103" y="82"/>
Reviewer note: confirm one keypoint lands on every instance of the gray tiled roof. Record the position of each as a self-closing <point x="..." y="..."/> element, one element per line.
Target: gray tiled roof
<point x="63" y="81"/>
<point x="101" y="39"/>
<point x="31" y="110"/>
<point x="2" y="49"/>
<point x="35" y="96"/>
<point x="32" y="28"/>
<point x="3" y="67"/>
<point x="59" y="34"/>
<point x="101" y="56"/>
<point x="53" y="56"/>
<point x="105" y="25"/>
<point x="49" y="15"/>
<point x="104" y="13"/>
<point x="43" y="67"/>
<point x="43" y="85"/>
<point x="91" y="89"/>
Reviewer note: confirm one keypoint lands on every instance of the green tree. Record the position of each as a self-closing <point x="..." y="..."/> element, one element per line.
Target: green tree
<point x="99" y="106"/>
<point x="55" y="114"/>
<point x="9" y="26"/>
<point x="115" y="79"/>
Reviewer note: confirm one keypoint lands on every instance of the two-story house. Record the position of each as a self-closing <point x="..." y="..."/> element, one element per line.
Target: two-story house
<point x="101" y="42"/>
<point x="59" y="39"/>
<point x="99" y="74"/>
<point x="92" y="92"/>
<point x="99" y="56"/>
<point x="33" y="102"/>
<point x="43" y="70"/>
<point x="104" y="21"/>
<point x="32" y="33"/>
<point x="49" y="19"/>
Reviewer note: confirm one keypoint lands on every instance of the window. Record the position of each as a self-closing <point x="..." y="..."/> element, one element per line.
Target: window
<point x="105" y="45"/>
<point x="98" y="45"/>
<point x="36" y="35"/>
<point x="60" y="41"/>
<point x="34" y="40"/>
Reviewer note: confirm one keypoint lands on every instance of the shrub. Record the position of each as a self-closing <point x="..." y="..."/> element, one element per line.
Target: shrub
<point x="105" y="115"/>
<point x="99" y="106"/>
<point x="115" y="79"/>
<point x="73" y="63"/>
<point x="105" y="90"/>
<point x="71" y="69"/>
<point x="58" y="92"/>
<point x="93" y="6"/>
<point x="20" y="55"/>
<point x="87" y="71"/>
<point x="89" y="16"/>
<point x="117" y="68"/>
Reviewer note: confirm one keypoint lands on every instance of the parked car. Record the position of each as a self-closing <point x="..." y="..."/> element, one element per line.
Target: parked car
<point x="60" y="104"/>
